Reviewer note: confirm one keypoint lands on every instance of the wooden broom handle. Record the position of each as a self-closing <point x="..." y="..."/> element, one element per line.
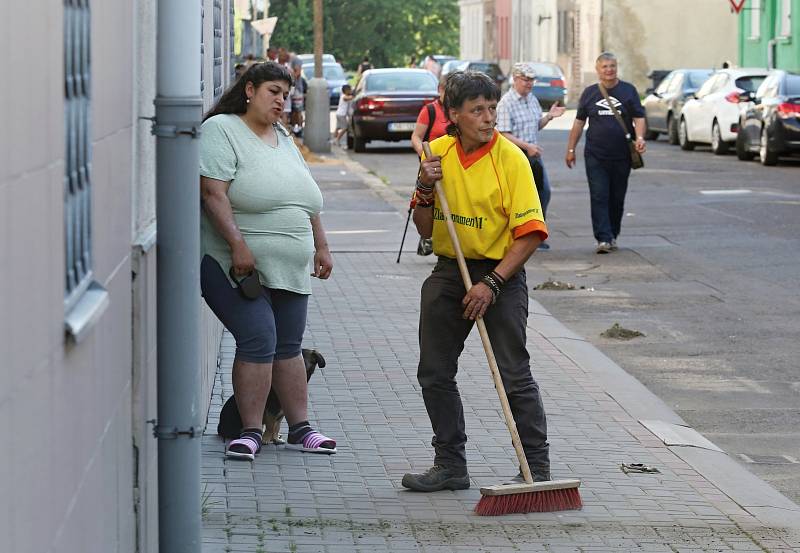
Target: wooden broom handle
<point x="487" y="345"/>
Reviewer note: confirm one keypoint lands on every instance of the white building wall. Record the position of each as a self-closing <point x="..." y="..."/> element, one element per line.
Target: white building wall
<point x="78" y="466"/>
<point x="471" y="27"/>
<point x="66" y="465"/>
<point x="534" y="30"/>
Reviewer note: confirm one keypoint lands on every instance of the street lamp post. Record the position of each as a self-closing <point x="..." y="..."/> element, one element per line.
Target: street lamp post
<point x="317" y="132"/>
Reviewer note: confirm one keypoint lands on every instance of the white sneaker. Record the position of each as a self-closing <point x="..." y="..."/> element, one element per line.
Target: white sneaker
<point x="603" y="247"/>
<point x="614" y="246"/>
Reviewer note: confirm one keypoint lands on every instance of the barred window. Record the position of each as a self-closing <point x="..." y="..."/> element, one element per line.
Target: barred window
<point x="202" y="47"/>
<point x="77" y="185"/>
<point x="217" y="76"/>
<point x="232" y="27"/>
<point x="85" y="300"/>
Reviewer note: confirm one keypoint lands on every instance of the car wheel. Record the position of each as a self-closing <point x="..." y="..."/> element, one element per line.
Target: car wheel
<point x="651" y="135"/>
<point x="766" y="155"/>
<point x="359" y="145"/>
<point x="672" y="130"/>
<point x="718" y="146"/>
<point x="683" y="136"/>
<point x="742" y="150"/>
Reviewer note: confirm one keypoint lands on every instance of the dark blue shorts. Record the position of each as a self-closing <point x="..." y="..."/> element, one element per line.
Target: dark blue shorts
<point x="268" y="328"/>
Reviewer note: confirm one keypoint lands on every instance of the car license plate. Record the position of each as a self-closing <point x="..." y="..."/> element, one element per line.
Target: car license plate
<point x="401" y="127"/>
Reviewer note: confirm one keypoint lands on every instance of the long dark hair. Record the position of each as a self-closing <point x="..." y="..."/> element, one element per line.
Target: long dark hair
<point x="234" y="100"/>
<point x="466" y="85"/>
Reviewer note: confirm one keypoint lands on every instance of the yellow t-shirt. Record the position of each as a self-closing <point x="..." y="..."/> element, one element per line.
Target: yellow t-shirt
<point x="492" y="198"/>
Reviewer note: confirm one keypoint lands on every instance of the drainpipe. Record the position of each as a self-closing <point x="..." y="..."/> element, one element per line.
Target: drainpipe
<point x="771" y="43"/>
<point x="179" y="108"/>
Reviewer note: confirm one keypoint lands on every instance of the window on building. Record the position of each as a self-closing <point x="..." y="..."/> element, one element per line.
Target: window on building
<point x="84" y="299"/>
<point x="217" y="71"/>
<point x="232" y="40"/>
<point x="78" y="190"/>
<point x="755" y="19"/>
<point x="565" y="35"/>
<point x="785" y="22"/>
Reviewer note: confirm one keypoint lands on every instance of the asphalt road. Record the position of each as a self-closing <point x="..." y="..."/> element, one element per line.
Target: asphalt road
<point x="707" y="270"/>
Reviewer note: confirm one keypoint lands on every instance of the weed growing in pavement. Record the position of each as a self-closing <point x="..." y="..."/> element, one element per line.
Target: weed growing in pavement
<point x="206" y="503"/>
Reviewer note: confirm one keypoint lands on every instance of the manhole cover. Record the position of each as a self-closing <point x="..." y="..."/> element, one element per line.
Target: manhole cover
<point x="768" y="459"/>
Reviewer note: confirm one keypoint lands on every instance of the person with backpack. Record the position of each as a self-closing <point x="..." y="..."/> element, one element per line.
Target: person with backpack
<point x="431" y="124"/>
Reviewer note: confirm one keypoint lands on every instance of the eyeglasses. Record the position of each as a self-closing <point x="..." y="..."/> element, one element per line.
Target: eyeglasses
<point x="524" y="79"/>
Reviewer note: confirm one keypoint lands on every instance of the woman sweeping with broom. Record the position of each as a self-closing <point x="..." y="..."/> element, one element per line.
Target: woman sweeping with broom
<point x="496" y="212"/>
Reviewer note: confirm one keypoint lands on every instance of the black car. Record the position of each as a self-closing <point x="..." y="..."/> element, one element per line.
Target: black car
<point x="770" y="121"/>
<point x="489" y="68"/>
<point x="387" y="103"/>
<point x="663" y="106"/>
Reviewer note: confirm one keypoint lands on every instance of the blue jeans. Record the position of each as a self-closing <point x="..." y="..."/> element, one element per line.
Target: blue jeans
<point x="542" y="183"/>
<point x="608" y="183"/>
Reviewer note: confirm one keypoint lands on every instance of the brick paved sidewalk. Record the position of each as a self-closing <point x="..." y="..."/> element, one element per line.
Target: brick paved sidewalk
<point x="364" y="320"/>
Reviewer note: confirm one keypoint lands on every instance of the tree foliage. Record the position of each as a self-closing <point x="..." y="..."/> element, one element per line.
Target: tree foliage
<point x="388" y="31"/>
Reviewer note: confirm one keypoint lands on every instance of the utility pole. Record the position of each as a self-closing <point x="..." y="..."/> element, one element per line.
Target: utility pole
<point x="179" y="427"/>
<point x="316" y="135"/>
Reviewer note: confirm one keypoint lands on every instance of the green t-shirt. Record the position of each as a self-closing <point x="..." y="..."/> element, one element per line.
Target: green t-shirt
<point x="273" y="197"/>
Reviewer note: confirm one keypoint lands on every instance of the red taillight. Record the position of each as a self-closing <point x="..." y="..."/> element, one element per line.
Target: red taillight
<point x="733" y="97"/>
<point x="558" y="82"/>
<point x="788" y="110"/>
<point x="369" y="104"/>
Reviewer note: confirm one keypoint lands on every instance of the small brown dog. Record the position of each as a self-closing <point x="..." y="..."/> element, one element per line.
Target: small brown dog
<point x="230" y="421"/>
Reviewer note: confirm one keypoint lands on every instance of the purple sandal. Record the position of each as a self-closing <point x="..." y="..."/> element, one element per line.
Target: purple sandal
<point x="244" y="447"/>
<point x="314" y="442"/>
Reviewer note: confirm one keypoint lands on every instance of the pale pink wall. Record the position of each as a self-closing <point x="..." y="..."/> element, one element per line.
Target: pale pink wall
<point x="503" y="20"/>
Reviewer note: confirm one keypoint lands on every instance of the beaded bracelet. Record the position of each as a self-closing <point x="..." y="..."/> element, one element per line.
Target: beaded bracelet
<point x="493" y="285"/>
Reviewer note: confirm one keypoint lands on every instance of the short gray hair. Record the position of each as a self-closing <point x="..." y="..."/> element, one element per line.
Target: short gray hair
<point x="605" y="56"/>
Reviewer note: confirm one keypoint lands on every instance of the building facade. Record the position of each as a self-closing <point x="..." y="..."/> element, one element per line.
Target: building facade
<point x="769" y="34"/>
<point x="645" y="35"/>
<point x="485" y="31"/>
<point x="78" y="469"/>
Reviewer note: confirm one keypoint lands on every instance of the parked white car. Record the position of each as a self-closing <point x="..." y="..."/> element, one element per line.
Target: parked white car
<point x="712" y="116"/>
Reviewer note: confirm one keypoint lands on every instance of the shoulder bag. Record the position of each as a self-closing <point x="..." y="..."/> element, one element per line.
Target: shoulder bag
<point x="637" y="162"/>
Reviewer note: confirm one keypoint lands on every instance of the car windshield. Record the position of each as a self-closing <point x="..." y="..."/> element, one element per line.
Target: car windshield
<point x="695" y="79"/>
<point x="750" y="83"/>
<point x="329" y="72"/>
<point x="392" y="82"/>
<point x="490" y="69"/>
<point x="546" y="70"/>
<point x="793" y="85"/>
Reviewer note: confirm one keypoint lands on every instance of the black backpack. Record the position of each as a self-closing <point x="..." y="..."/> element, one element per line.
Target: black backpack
<point x="431" y="121"/>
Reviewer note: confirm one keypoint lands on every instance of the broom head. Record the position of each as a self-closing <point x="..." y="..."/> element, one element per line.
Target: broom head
<point x="540" y="497"/>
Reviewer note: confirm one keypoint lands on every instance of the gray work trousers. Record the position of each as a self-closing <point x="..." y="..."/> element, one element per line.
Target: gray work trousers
<point x="442" y="332"/>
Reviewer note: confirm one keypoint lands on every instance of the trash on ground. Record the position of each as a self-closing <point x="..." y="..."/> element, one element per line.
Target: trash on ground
<point x="554" y="285"/>
<point x="619" y="333"/>
<point x="638" y="468"/>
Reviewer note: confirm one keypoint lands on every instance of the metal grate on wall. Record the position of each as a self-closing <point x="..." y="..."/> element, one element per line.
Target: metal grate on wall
<point x="77" y="185"/>
<point x="217" y="70"/>
<point x="202" y="48"/>
<point x="232" y="39"/>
